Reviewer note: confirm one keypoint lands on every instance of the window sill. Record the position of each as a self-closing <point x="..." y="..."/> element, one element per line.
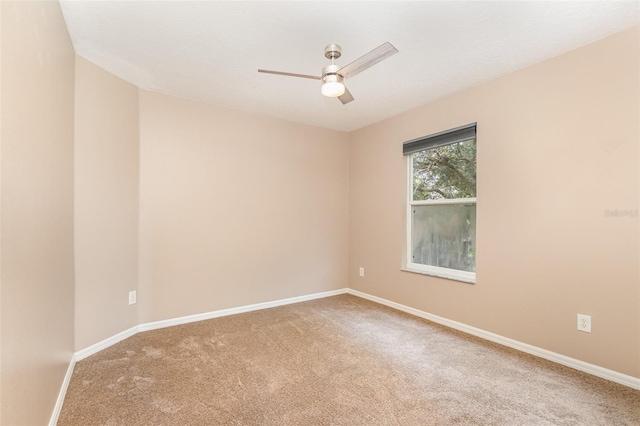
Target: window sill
<point x="435" y="274"/>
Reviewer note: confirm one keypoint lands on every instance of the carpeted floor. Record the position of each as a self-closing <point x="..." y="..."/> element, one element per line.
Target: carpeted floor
<point x="334" y="361"/>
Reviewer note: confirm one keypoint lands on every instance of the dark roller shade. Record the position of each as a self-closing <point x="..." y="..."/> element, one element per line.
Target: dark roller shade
<point x="459" y="134"/>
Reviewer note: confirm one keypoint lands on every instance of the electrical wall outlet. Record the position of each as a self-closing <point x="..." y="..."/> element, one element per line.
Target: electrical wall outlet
<point x="361" y="271"/>
<point x="584" y="323"/>
<point x="132" y="297"/>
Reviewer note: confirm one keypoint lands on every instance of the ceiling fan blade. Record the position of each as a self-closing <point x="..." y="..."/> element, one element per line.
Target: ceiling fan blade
<point x="289" y="74"/>
<point x="346" y="97"/>
<point x="368" y="60"/>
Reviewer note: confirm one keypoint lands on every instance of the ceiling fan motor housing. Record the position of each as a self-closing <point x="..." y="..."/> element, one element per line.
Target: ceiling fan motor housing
<point x="330" y="74"/>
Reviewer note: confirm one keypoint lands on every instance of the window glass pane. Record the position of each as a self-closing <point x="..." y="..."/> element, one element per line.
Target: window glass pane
<point x="444" y="236"/>
<point x="445" y="172"/>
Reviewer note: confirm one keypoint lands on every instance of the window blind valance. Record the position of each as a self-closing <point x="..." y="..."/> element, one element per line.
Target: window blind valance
<point x="459" y="134"/>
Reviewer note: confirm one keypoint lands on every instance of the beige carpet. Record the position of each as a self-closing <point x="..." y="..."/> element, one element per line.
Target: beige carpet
<point x="335" y="361"/>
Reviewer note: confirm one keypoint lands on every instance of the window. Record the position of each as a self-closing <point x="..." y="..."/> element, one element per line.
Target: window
<point x="441" y="207"/>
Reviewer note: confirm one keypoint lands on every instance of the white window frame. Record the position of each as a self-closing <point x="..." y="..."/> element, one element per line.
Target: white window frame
<point x="453" y="274"/>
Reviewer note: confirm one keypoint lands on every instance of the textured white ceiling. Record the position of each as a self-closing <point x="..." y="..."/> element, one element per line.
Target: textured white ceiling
<point x="211" y="50"/>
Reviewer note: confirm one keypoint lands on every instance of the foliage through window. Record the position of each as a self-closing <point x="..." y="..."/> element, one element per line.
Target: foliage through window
<point x="442" y="204"/>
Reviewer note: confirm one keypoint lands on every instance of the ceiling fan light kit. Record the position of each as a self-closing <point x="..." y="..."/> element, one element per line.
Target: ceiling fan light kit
<point x="332" y="89"/>
<point x="333" y="75"/>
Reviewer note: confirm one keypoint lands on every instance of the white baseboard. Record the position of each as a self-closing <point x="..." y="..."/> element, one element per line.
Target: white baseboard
<point x="614" y="376"/>
<point x="239" y="310"/>
<point x="95" y="348"/>
<point x="63" y="392"/>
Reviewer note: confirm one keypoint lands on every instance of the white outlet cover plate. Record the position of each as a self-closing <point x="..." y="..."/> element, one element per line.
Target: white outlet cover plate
<point x="584" y="323"/>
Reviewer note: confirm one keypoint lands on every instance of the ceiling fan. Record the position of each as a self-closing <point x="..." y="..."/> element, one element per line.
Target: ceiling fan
<point x="333" y="75"/>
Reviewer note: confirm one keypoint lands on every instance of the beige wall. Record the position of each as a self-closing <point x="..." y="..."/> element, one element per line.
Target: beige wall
<point x="557" y="146"/>
<point x="106" y="204"/>
<point x="236" y="208"/>
<point x="37" y="209"/>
